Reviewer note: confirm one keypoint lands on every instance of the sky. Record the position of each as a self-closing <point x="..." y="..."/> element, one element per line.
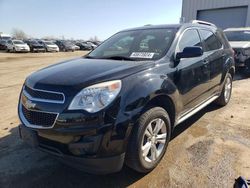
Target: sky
<point x="82" y="19"/>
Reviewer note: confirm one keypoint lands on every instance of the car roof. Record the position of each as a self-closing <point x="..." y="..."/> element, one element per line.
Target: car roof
<point x="172" y="26"/>
<point x="238" y="29"/>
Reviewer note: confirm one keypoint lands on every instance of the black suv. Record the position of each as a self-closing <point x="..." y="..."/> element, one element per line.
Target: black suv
<point x="65" y="46"/>
<point x="35" y="46"/>
<point x="121" y="102"/>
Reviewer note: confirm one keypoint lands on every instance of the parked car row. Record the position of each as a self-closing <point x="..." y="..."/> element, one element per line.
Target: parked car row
<point x="35" y="45"/>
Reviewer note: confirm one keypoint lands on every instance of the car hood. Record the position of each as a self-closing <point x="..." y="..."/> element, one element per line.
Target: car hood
<point x="79" y="73"/>
<point x="51" y="45"/>
<point x="21" y="45"/>
<point x="240" y="44"/>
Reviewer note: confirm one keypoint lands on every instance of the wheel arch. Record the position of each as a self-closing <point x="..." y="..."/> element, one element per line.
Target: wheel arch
<point x="164" y="101"/>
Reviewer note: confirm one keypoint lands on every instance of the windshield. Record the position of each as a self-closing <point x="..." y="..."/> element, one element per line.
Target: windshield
<point x="49" y="43"/>
<point x="238" y="35"/>
<point x="3" y="41"/>
<point x="34" y="42"/>
<point x="18" y="42"/>
<point x="144" y="44"/>
<point x="67" y="43"/>
<point x="5" y="38"/>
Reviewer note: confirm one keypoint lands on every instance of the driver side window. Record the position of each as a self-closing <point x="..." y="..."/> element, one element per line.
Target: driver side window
<point x="190" y="38"/>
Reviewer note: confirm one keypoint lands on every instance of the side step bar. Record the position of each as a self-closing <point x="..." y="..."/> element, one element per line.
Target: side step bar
<point x="195" y="110"/>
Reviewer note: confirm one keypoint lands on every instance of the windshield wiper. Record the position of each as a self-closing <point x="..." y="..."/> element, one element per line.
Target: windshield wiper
<point x="111" y="57"/>
<point x="119" y="58"/>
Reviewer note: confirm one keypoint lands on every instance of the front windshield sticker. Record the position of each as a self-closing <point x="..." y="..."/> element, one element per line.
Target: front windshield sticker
<point x="146" y="55"/>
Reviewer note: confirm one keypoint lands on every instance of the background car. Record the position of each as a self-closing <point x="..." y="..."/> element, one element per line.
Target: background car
<point x="35" y="46"/>
<point x="91" y="44"/>
<point x="65" y="46"/>
<point x="76" y="47"/>
<point x="3" y="44"/>
<point x="49" y="46"/>
<point x="84" y="46"/>
<point x="5" y="37"/>
<point x="239" y="39"/>
<point x="17" y="46"/>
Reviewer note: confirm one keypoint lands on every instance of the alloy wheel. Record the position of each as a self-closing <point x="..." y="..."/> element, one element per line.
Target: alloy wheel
<point x="154" y="140"/>
<point x="227" y="89"/>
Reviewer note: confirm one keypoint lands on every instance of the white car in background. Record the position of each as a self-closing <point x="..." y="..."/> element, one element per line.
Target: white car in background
<point x="93" y="46"/>
<point x="17" y="46"/>
<point x="51" y="47"/>
<point x="239" y="39"/>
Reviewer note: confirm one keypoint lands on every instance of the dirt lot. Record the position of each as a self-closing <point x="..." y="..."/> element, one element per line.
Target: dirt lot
<point x="209" y="150"/>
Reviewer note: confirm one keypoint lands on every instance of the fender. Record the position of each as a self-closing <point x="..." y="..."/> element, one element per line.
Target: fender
<point x="145" y="89"/>
<point x="228" y="65"/>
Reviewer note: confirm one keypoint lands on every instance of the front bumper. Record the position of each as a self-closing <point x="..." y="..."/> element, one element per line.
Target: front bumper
<point x="73" y="134"/>
<point x="22" y="50"/>
<point x="52" y="49"/>
<point x="39" y="50"/>
<point x="80" y="154"/>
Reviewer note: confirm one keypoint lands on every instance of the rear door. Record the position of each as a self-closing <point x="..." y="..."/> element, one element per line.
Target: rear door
<point x="193" y="74"/>
<point x="214" y="52"/>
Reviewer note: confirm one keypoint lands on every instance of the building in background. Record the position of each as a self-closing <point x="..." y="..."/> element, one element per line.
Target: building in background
<point x="223" y="13"/>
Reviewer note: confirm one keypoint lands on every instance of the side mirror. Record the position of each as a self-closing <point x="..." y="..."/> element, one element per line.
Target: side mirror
<point x="189" y="52"/>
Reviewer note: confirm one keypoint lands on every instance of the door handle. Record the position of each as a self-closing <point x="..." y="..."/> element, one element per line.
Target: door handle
<point x="205" y="61"/>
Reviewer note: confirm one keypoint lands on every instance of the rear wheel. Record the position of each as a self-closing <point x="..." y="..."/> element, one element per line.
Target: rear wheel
<point x="149" y="140"/>
<point x="226" y="92"/>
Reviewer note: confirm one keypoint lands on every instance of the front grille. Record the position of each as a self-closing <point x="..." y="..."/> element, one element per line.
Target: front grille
<point x="44" y="95"/>
<point x="37" y="118"/>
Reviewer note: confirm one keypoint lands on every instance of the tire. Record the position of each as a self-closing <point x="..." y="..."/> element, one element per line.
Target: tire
<point x="226" y="93"/>
<point x="139" y="139"/>
<point x="14" y="50"/>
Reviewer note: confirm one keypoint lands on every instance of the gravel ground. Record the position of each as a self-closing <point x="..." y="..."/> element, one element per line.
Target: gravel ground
<point x="210" y="149"/>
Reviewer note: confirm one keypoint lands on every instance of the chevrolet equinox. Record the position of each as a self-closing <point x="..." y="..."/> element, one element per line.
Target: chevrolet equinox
<point x="121" y="102"/>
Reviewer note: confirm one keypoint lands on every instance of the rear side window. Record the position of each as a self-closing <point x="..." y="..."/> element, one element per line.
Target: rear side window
<point x="190" y="38"/>
<point x="210" y="40"/>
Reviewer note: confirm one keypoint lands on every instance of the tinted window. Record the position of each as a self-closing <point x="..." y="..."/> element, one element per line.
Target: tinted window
<point x="189" y="39"/>
<point x="210" y="40"/>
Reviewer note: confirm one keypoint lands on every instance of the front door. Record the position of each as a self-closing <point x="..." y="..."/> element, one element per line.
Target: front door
<point x="193" y="74"/>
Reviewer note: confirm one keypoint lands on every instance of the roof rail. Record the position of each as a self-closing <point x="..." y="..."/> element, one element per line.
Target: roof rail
<point x="202" y="22"/>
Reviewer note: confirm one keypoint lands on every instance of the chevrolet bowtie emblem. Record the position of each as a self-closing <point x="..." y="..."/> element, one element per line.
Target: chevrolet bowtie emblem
<point x="29" y="104"/>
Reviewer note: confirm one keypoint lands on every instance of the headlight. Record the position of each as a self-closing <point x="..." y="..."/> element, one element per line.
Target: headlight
<point x="247" y="51"/>
<point x="96" y="97"/>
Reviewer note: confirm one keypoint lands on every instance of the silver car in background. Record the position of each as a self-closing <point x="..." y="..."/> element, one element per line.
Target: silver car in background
<point x="239" y="39"/>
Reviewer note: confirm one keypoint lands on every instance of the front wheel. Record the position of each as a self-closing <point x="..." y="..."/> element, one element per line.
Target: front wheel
<point x="149" y="140"/>
<point x="225" y="96"/>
